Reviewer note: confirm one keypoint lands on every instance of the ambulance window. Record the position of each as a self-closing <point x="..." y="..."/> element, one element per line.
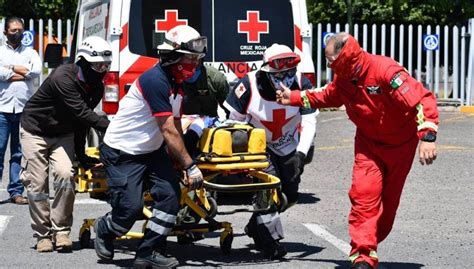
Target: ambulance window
<point x="244" y="29"/>
<point x="96" y="21"/>
<point x="150" y="20"/>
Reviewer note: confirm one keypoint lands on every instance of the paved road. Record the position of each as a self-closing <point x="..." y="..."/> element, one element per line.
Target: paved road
<point x="434" y="227"/>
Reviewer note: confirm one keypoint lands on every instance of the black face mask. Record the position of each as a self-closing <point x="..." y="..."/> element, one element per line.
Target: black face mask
<point x="15" y="38"/>
<point x="92" y="77"/>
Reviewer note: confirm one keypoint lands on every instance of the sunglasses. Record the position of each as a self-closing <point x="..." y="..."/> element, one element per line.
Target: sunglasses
<point x="191" y="58"/>
<point x="287" y="73"/>
<point x="197" y="45"/>
<point x="100" y="67"/>
<point x="282" y="63"/>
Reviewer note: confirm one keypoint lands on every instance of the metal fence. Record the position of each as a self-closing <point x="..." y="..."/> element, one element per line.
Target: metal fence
<point x="447" y="71"/>
<point x="47" y="31"/>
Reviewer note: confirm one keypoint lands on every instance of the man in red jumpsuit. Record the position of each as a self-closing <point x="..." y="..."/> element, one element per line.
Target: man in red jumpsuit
<point x="392" y="112"/>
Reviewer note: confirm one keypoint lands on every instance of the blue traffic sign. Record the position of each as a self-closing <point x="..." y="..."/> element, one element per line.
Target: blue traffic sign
<point x="326" y="36"/>
<point x="430" y="42"/>
<point x="28" y="39"/>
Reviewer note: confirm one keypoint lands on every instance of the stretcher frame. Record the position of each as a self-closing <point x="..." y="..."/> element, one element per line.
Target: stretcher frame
<point x="89" y="181"/>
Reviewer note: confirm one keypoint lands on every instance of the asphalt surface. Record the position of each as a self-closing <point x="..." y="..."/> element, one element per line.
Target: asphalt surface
<point x="433" y="229"/>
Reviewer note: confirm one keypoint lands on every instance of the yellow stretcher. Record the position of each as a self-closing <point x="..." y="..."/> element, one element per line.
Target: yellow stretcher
<point x="217" y="159"/>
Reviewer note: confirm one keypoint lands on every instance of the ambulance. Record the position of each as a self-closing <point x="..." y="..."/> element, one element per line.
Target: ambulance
<point x="238" y="32"/>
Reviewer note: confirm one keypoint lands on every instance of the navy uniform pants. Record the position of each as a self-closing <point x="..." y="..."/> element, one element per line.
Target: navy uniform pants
<point x="126" y="175"/>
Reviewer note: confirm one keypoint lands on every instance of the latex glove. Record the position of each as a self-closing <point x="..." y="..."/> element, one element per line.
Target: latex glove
<point x="297" y="163"/>
<point x="194" y="178"/>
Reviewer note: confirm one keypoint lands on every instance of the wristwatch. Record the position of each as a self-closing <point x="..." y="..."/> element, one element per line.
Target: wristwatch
<point x="429" y="137"/>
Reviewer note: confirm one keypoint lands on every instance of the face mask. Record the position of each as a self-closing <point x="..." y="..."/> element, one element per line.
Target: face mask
<point x="91" y="77"/>
<point x="182" y="71"/>
<point x="287" y="81"/>
<point x="15" y="38"/>
<point x="196" y="75"/>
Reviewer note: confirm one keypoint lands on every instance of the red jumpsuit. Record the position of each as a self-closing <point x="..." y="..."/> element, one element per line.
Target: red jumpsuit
<point x="391" y="111"/>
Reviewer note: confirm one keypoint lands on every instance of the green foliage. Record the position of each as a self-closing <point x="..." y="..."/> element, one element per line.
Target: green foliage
<point x="38" y="9"/>
<point x="442" y="12"/>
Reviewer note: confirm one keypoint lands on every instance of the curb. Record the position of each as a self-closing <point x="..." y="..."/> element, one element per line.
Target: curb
<point x="467" y="109"/>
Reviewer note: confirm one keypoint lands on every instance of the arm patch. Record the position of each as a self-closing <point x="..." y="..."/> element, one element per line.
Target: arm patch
<point x="398" y="80"/>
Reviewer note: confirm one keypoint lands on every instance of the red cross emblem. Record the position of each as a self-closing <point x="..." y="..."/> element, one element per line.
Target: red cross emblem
<point x="171" y="20"/>
<point x="253" y="26"/>
<point x="279" y="121"/>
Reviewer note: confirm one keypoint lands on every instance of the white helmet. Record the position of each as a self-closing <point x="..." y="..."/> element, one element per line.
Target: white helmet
<point x="95" y="49"/>
<point x="184" y="39"/>
<point x="279" y="58"/>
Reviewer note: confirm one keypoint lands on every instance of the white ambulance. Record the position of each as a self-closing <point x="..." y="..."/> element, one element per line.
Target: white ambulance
<point x="238" y="33"/>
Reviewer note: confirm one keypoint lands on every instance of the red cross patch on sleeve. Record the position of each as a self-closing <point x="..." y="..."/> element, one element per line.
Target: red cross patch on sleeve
<point x="239" y="90"/>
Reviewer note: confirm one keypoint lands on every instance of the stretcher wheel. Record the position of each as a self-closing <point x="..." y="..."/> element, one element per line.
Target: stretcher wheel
<point x="85" y="238"/>
<point x="213" y="207"/>
<point x="226" y="243"/>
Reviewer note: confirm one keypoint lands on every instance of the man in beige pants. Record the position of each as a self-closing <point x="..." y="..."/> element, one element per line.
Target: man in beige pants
<point x="52" y="130"/>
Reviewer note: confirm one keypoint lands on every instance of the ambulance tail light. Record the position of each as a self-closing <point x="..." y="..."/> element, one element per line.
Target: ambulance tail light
<point x="311" y="77"/>
<point x="111" y="93"/>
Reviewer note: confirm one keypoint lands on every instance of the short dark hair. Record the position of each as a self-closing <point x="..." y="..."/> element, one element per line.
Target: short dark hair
<point x="13" y="19"/>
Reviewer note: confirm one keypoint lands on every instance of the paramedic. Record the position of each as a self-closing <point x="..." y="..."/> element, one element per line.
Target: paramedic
<point x="142" y="142"/>
<point x="62" y="106"/>
<point x="392" y="112"/>
<point x="253" y="99"/>
<point x="203" y="93"/>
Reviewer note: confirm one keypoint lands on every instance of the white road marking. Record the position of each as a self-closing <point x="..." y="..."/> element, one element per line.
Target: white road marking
<point x="89" y="202"/>
<point x="319" y="231"/>
<point x="3" y="223"/>
<point x="343" y="246"/>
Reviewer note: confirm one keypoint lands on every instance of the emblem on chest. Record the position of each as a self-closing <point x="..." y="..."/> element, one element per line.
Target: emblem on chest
<point x="372" y="90"/>
<point x="278" y="122"/>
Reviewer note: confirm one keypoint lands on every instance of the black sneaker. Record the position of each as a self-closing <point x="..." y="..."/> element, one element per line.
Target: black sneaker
<point x="104" y="246"/>
<point x="155" y="260"/>
<point x="275" y="251"/>
<point x="361" y="265"/>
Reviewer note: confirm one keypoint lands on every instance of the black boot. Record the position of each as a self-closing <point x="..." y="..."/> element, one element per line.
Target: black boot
<point x="103" y="244"/>
<point x="274" y="251"/>
<point x="155" y="260"/>
<point x="257" y="240"/>
<point x="361" y="265"/>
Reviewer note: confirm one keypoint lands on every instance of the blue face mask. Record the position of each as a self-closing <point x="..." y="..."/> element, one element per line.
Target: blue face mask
<point x="195" y="76"/>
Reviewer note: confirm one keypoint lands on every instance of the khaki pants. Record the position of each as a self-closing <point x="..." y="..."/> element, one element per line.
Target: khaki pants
<point x="40" y="154"/>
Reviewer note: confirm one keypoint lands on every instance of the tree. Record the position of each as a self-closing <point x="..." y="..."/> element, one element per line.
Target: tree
<point x="442" y="12"/>
<point x="38" y="9"/>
